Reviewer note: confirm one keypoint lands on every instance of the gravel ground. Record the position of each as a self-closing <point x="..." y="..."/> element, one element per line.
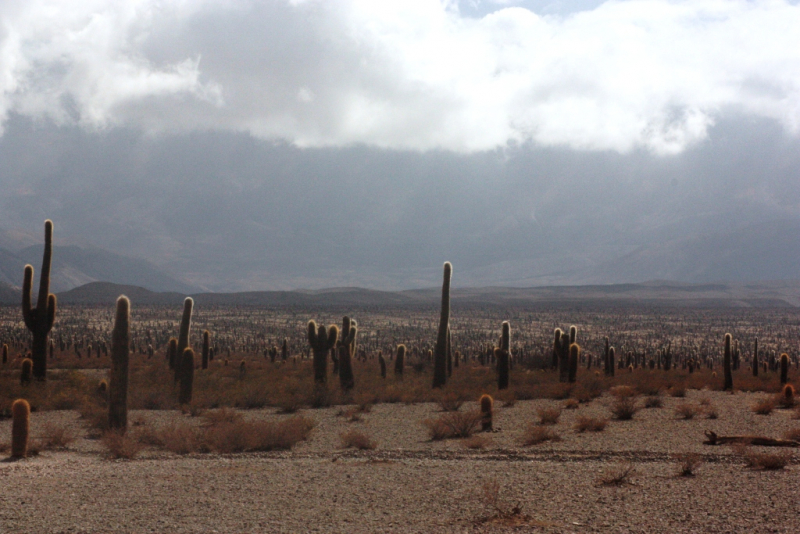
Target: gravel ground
<point x="410" y="484"/>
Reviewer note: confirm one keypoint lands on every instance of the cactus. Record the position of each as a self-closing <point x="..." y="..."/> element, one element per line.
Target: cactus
<point x="556" y="348"/>
<point x="382" y="362"/>
<point x="242" y="370"/>
<point x="612" y="360"/>
<point x="321" y="342"/>
<point x="206" y="348"/>
<point x="574" y="356"/>
<point x="668" y="357"/>
<point x="21" y="414"/>
<point x="440" y="352"/>
<point x="102" y="389"/>
<point x="345" y="347"/>
<point x="606" y="360"/>
<point x="172" y="352"/>
<point x="40" y="319"/>
<point x="5" y="354"/>
<point x="486" y="403"/>
<point x="399" y="361"/>
<point x="728" y="385"/>
<point x="186" y="374"/>
<point x="183" y="335"/>
<point x="755" y="357"/>
<point x="26" y="374"/>
<point x="503" y="356"/>
<point x="449" y="353"/>
<point x="118" y="388"/>
<point x="788" y="396"/>
<point x="573" y="334"/>
<point x="563" y="358"/>
<point x="784" y="368"/>
<point x="285" y="350"/>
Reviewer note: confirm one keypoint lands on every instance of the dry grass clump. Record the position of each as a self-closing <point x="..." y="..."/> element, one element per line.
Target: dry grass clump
<point x="222" y="415"/>
<point x="768" y="461"/>
<point x="120" y="446"/>
<point x="592" y="424"/>
<point x="622" y="392"/>
<point x="257" y="436"/>
<point x="711" y="412"/>
<point x="548" y="416"/>
<point x="502" y="512"/>
<point x="678" y="391"/>
<point x="571" y="404"/>
<point x="617" y="475"/>
<point x="55" y="437"/>
<point x="536" y="434"/>
<point x="653" y="401"/>
<point x="450" y="402"/>
<point x="353" y="439"/>
<point x="793" y="434"/>
<point x="686" y="411"/>
<point x="453" y="425"/>
<point x="764" y="406"/>
<point x="688" y="462"/>
<point x="477" y="442"/>
<point x="624" y="408"/>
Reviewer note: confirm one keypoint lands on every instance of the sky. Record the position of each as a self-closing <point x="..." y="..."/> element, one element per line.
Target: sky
<point x="245" y="144"/>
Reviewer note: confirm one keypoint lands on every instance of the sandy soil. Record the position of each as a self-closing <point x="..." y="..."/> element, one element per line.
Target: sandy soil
<point x="410" y="484"/>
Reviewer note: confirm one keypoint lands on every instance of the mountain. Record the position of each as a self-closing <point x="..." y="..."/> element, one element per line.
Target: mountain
<point x="656" y="293"/>
<point x="75" y="266"/>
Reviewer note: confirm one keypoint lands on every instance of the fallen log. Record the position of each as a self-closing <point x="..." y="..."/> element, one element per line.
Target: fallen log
<point x="714" y="439"/>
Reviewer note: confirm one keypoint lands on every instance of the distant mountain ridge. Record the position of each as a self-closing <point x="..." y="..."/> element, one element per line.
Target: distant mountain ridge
<point x="767" y="294"/>
<point x="75" y="266"/>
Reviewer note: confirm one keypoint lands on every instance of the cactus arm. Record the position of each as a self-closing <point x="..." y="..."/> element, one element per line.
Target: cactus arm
<point x="44" y="277"/>
<point x="51" y="311"/>
<point x="27" y="311"/>
<point x="312" y="333"/>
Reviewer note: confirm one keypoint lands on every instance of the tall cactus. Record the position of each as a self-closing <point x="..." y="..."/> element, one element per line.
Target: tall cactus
<point x="574" y="356"/>
<point x="440" y="352"/>
<point x="399" y="361"/>
<point x="120" y="346"/>
<point x="606" y="360"/>
<point x="382" y="362"/>
<point x="503" y="355"/>
<point x="563" y="358"/>
<point x="784" y="368"/>
<point x="556" y="348"/>
<point x="186" y="368"/>
<point x="321" y="342"/>
<point x="183" y="336"/>
<point x="206" y="348"/>
<point x="755" y="357"/>
<point x="728" y="385"/>
<point x="346" y="344"/>
<point x="40" y="319"/>
<point x="20" y="428"/>
<point x="449" y="353"/>
<point x="612" y="361"/>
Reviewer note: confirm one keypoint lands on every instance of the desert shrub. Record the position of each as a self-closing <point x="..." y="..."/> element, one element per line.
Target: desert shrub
<point x="592" y="424"/>
<point x="678" y="391"/>
<point x="536" y="434"/>
<point x="571" y="404"/>
<point x="120" y="446"/>
<point x="450" y="402"/>
<point x="548" y="416"/>
<point x="793" y="434"/>
<point x="477" y="442"/>
<point x="622" y="392"/>
<point x="180" y="439"/>
<point x="502" y="512"/>
<point x="617" y="475"/>
<point x="653" y="401"/>
<point x="222" y="415"/>
<point x="624" y="408"/>
<point x="55" y="436"/>
<point x="453" y="425"/>
<point x="768" y="461"/>
<point x="764" y="406"/>
<point x="258" y="436"/>
<point x="353" y="439"/>
<point x="95" y="416"/>
<point x="711" y="412"/>
<point x="686" y="411"/>
<point x="688" y="462"/>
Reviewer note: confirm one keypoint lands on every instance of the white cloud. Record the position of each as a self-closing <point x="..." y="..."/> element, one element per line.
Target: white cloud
<point x="406" y="74"/>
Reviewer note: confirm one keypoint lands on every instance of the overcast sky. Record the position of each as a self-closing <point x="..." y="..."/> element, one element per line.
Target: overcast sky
<point x="364" y="142"/>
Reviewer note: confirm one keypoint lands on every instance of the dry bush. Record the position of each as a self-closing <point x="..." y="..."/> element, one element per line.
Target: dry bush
<point x="120" y="446"/>
<point x="502" y="511"/>
<point x="222" y="415"/>
<point x="688" y="462"/>
<point x="477" y="442"/>
<point x="678" y="391"/>
<point x="624" y="408"/>
<point x="705" y="401"/>
<point x="258" y="436"/>
<point x="548" y="416"/>
<point x="764" y="406"/>
<point x="711" y="412"/>
<point x="55" y="437"/>
<point x="768" y="461"/>
<point x="96" y="417"/>
<point x="536" y="434"/>
<point x="571" y="404"/>
<point x="622" y="392"/>
<point x="353" y="439"/>
<point x="617" y="475"/>
<point x="180" y="439"/>
<point x="653" y="401"/>
<point x="686" y="411"/>
<point x="450" y="402"/>
<point x="453" y="425"/>
<point x="592" y="424"/>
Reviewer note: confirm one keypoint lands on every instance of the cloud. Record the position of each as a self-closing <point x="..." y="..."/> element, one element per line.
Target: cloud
<point x="405" y="74"/>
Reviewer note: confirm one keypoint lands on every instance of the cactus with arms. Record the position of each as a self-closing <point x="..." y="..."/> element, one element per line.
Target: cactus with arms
<point x="40" y="319"/>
